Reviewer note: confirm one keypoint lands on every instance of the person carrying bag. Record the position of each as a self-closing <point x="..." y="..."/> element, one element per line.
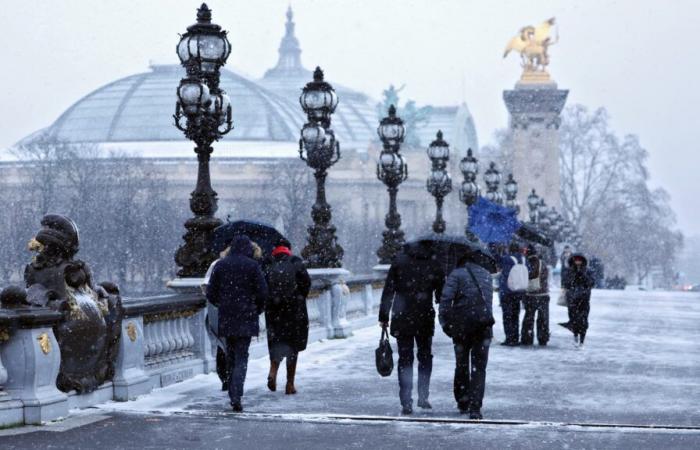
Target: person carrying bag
<point x="466" y="315"/>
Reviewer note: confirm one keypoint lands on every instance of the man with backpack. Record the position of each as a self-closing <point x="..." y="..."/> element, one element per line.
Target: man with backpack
<point x="536" y="301"/>
<point x="513" y="283"/>
<point x="286" y="317"/>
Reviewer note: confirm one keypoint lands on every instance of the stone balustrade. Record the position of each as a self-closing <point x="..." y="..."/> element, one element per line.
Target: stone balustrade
<point x="164" y="340"/>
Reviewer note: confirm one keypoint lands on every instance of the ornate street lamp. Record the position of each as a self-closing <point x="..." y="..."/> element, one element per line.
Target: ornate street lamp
<point x="320" y="150"/>
<point x="392" y="170"/>
<point x="439" y="182"/>
<point x="492" y="177"/>
<point x="533" y="200"/>
<point x="206" y="110"/>
<point x="512" y="193"/>
<point x="469" y="192"/>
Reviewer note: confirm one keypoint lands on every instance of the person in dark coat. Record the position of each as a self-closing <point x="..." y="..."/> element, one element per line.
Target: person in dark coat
<point x="578" y="284"/>
<point x="564" y="264"/>
<point x="510" y="300"/>
<point x="286" y="317"/>
<point x="536" y="301"/>
<point x="237" y="287"/>
<point x="413" y="278"/>
<point x="468" y="285"/>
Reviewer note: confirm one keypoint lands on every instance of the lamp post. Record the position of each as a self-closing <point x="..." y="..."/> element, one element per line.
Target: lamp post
<point x="533" y="200"/>
<point x="492" y="177"/>
<point x="206" y="111"/>
<point x="469" y="192"/>
<point x="511" y="188"/>
<point x="439" y="182"/>
<point x="392" y="170"/>
<point x="320" y="150"/>
<point x="542" y="216"/>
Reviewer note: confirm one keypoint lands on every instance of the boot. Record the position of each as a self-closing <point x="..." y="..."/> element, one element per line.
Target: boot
<point x="291" y="372"/>
<point x="272" y="377"/>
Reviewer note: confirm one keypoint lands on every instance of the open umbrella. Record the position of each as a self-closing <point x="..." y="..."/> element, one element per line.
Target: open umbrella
<point x="263" y="234"/>
<point x="492" y="223"/>
<point x="449" y="249"/>
<point x="532" y="234"/>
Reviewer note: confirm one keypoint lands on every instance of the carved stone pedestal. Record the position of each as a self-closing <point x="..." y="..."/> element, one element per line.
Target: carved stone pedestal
<point x="334" y="302"/>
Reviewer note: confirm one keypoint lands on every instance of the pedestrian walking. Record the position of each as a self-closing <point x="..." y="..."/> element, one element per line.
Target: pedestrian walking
<point x="536" y="301"/>
<point x="564" y="264"/>
<point x="237" y="287"/>
<point x="512" y="287"/>
<point x="286" y="316"/>
<point x="212" y="320"/>
<point x="413" y="279"/>
<point x="466" y="315"/>
<point x="578" y="284"/>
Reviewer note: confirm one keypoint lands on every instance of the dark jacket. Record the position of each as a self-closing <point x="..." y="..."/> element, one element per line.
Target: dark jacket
<point x="461" y="290"/>
<point x="412" y="280"/>
<point x="578" y="282"/>
<point x="286" y="317"/>
<point x="538" y="268"/>
<point x="506" y="264"/>
<point x="237" y="286"/>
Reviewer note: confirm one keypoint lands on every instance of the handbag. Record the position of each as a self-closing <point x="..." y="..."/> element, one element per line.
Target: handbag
<point x="561" y="300"/>
<point x="533" y="284"/>
<point x="383" y="355"/>
<point x="470" y="318"/>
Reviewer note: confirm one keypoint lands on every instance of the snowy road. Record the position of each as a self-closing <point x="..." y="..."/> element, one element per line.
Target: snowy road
<point x="640" y="367"/>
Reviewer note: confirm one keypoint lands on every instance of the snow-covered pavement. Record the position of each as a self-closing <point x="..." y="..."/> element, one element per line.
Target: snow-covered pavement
<point x="640" y="367"/>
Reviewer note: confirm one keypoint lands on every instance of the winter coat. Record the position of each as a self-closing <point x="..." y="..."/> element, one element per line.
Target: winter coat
<point x="237" y="286"/>
<point x="286" y="317"/>
<point x="578" y="282"/>
<point x="534" y="263"/>
<point x="413" y="278"/>
<point x="460" y="290"/>
<point x="506" y="264"/>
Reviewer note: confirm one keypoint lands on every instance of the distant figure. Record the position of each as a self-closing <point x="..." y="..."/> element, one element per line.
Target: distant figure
<point x="468" y="286"/>
<point x="536" y="301"/>
<point x="598" y="272"/>
<point x="512" y="287"/>
<point x="564" y="264"/>
<point x="286" y="317"/>
<point x="578" y="284"/>
<point x="413" y="278"/>
<point x="237" y="286"/>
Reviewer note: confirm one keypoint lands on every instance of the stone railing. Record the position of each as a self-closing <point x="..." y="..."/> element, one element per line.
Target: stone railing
<point x="164" y="340"/>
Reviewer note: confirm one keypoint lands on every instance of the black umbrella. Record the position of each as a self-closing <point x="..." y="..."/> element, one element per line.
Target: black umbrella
<point x="263" y="234"/>
<point x="532" y="234"/>
<point x="449" y="249"/>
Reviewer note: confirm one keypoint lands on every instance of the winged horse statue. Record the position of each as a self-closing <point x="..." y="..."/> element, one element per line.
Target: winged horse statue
<point x="532" y="44"/>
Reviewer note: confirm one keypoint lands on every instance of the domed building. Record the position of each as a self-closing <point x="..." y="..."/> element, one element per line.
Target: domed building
<point x="134" y="115"/>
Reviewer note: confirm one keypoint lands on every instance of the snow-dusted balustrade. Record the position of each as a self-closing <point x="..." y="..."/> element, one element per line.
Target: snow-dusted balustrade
<point x="164" y="340"/>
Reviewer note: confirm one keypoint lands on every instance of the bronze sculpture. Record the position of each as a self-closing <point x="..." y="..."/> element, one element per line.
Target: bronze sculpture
<point x="89" y="333"/>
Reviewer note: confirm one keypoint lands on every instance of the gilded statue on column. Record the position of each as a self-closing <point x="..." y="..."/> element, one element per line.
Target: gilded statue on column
<point x="532" y="42"/>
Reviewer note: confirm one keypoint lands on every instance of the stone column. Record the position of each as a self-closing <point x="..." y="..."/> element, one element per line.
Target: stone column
<point x="130" y="378"/>
<point x="535" y="108"/>
<point x="32" y="359"/>
<point x="339" y="327"/>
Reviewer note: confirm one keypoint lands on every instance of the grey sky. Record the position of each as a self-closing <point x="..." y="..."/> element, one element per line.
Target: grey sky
<point x="637" y="58"/>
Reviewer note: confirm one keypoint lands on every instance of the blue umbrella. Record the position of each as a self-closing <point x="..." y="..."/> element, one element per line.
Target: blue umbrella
<point x="492" y="223"/>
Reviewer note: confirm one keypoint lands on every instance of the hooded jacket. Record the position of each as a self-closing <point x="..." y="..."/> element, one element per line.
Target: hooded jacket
<point x="578" y="282"/>
<point x="413" y="278"/>
<point x="237" y="286"/>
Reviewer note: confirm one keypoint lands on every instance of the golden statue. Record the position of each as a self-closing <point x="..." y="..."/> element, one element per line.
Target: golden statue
<point x="532" y="44"/>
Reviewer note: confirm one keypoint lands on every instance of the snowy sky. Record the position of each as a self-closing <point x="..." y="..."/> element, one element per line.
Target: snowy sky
<point x="635" y="57"/>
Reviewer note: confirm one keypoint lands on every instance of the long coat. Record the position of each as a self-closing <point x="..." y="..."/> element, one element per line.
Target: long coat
<point x="237" y="286"/>
<point x="286" y="318"/>
<point x="412" y="280"/>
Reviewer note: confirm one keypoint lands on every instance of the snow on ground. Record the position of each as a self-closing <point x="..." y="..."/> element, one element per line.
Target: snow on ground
<point x="640" y="365"/>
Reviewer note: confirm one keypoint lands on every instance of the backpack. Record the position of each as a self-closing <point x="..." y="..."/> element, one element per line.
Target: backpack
<point x="534" y="284"/>
<point x="282" y="280"/>
<point x="518" y="279"/>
